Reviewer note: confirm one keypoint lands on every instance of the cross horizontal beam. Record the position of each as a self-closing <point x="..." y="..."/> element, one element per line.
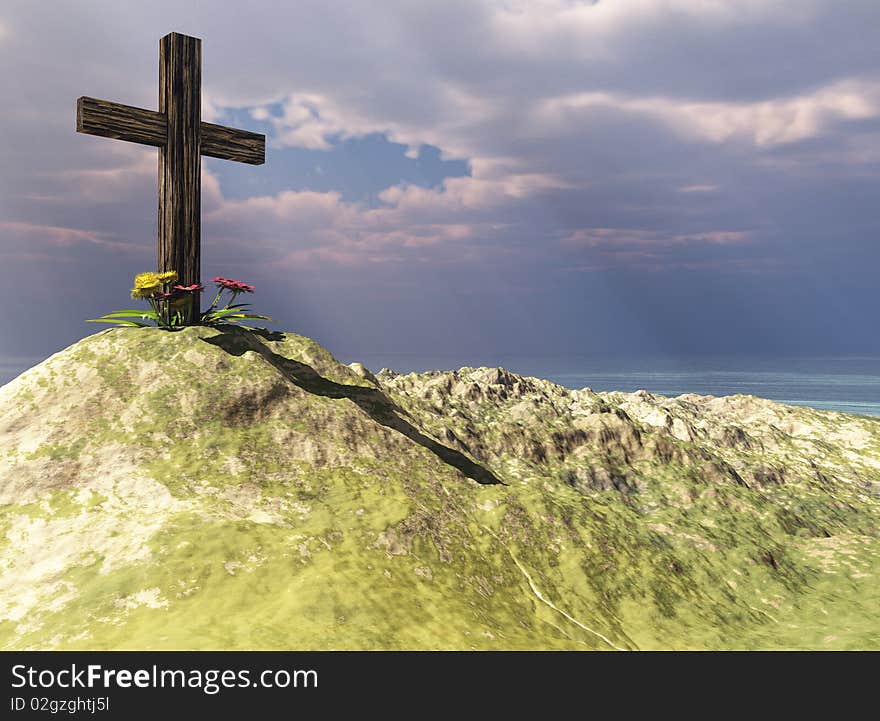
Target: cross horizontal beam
<point x="123" y="122"/>
<point x="218" y="141"/>
<point x="148" y="127"/>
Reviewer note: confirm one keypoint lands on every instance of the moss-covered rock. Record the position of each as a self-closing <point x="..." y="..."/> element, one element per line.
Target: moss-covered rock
<point x="221" y="488"/>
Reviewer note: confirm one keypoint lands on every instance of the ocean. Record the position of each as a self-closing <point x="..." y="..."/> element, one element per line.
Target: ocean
<point x="850" y="384"/>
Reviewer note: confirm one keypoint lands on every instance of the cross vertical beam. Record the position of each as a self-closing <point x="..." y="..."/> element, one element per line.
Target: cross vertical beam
<point x="182" y="139"/>
<point x="180" y="81"/>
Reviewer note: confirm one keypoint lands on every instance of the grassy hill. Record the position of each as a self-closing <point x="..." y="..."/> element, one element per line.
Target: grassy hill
<point x="231" y="489"/>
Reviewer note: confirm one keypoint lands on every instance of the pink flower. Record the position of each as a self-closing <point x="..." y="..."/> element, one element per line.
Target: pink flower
<point x="236" y="286"/>
<point x="194" y="288"/>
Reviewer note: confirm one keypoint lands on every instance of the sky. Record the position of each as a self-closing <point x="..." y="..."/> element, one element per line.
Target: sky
<point x="623" y="177"/>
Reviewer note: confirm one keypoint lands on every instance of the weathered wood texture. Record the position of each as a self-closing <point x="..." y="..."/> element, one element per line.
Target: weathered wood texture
<point x="242" y="146"/>
<point x="136" y="125"/>
<point x="180" y="162"/>
<point x="123" y="122"/>
<point x="182" y="138"/>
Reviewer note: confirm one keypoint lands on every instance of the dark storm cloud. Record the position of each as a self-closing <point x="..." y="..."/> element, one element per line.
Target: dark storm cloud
<point x="675" y="175"/>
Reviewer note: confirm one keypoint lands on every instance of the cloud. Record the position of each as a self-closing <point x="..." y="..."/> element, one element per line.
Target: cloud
<point x="132" y="167"/>
<point x="655" y="263"/>
<point x="632" y="237"/>
<point x="51" y="235"/>
<point x="763" y="123"/>
<point x="313" y="228"/>
<point x="473" y="193"/>
<point x="698" y="188"/>
<point x="303" y="124"/>
<point x="307" y="227"/>
<point x="673" y="136"/>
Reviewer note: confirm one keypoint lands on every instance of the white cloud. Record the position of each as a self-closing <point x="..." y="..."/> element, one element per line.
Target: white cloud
<point x="765" y="123"/>
<point x="470" y="193"/>
<point x="594" y="29"/>
<point x="307" y="121"/>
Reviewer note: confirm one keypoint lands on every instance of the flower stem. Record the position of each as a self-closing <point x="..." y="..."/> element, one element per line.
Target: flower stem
<point x="155" y="310"/>
<point x="216" y="300"/>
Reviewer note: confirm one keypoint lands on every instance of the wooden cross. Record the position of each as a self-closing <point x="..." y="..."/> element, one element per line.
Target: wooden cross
<point x="182" y="138"/>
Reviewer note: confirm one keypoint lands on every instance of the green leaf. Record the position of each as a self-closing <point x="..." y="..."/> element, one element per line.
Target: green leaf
<point x="150" y="314"/>
<point x="129" y="311"/>
<point x="224" y="313"/>
<point x="118" y="321"/>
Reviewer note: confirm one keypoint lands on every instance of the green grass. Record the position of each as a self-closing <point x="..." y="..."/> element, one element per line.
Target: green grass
<point x="295" y="520"/>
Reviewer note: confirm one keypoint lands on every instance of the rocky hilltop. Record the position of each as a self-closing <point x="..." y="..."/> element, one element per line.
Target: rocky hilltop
<point x="221" y="488"/>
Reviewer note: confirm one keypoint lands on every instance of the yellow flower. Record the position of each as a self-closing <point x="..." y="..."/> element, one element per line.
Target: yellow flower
<point x="169" y="276"/>
<point x="147" y="280"/>
<point x="145" y="284"/>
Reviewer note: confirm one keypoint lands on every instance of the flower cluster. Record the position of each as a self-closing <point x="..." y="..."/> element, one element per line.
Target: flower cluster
<point x="148" y="285"/>
<point x="174" y="305"/>
<point x="236" y="286"/>
<point x="231" y="311"/>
